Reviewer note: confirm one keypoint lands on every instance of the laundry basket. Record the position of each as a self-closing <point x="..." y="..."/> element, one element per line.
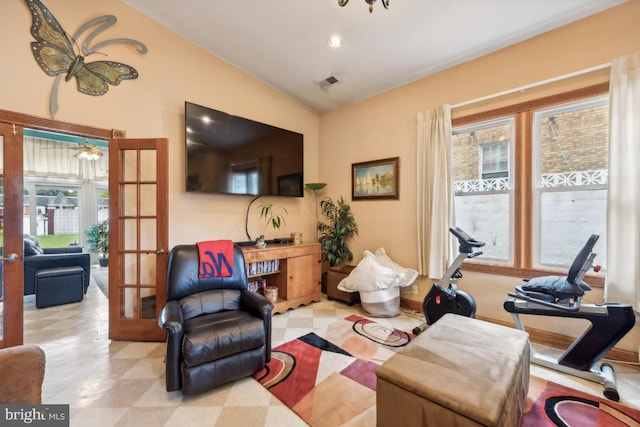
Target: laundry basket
<point x="382" y="303"/>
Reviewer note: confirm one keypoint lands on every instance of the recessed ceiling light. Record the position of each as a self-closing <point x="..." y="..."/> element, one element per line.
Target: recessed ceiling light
<point x="335" y="41"/>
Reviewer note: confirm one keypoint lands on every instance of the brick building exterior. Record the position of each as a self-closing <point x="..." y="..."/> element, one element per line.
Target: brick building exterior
<point x="572" y="176"/>
<point x="570" y="142"/>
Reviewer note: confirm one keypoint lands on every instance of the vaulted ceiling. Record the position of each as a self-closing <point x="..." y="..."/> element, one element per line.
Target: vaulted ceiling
<point x="283" y="43"/>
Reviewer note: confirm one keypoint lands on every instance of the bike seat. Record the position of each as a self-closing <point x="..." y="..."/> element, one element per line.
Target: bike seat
<point x="535" y="295"/>
<point x="557" y="287"/>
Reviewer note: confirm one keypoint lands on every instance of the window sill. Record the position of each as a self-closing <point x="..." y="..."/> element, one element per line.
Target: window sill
<point x="594" y="280"/>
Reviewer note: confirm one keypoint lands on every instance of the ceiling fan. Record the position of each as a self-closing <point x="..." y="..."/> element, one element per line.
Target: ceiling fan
<point x="83" y="150"/>
<point x="88" y="151"/>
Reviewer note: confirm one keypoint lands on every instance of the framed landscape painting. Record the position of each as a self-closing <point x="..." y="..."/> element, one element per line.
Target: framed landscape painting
<point x="374" y="180"/>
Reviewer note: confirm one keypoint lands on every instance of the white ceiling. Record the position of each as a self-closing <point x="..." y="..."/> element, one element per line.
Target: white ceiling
<point x="283" y="43"/>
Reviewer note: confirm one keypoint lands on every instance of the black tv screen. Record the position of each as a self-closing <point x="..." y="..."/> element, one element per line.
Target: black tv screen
<point x="233" y="155"/>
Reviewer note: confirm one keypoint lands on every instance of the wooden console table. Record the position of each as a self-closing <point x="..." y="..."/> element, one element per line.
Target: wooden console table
<point x="297" y="276"/>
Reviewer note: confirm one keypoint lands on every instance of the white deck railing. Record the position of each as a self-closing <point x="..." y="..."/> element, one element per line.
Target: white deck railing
<point x="573" y="179"/>
<point x="480" y="185"/>
<point x="549" y="180"/>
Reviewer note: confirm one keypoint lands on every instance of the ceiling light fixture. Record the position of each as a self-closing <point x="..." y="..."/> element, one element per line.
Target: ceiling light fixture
<point x="385" y="3"/>
<point x="335" y="41"/>
<point x="88" y="151"/>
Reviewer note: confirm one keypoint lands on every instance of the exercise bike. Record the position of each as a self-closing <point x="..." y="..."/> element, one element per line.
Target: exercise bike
<point x="561" y="297"/>
<point x="445" y="297"/>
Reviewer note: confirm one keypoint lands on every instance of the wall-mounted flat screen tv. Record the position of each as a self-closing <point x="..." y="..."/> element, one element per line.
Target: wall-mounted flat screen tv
<point x="228" y="154"/>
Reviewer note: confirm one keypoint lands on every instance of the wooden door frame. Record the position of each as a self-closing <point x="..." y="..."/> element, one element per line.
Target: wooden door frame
<point x="40" y="123"/>
<point x="134" y="328"/>
<point x="14" y="336"/>
<point x="13" y="272"/>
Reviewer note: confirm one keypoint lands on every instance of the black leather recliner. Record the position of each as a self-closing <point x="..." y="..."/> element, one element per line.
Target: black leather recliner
<point x="217" y="330"/>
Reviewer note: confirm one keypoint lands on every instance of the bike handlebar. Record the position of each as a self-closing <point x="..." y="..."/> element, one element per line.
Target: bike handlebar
<point x="466" y="242"/>
<point x="467" y="245"/>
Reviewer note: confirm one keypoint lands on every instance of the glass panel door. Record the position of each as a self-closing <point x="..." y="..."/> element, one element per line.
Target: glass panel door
<point x="1" y="241"/>
<point x="138" y="238"/>
<point x="11" y="245"/>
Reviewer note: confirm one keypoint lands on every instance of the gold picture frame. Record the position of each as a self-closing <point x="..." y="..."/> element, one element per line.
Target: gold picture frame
<point x="376" y="179"/>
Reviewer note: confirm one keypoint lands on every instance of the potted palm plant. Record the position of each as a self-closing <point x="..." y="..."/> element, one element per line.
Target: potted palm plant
<point x="98" y="241"/>
<point x="340" y="226"/>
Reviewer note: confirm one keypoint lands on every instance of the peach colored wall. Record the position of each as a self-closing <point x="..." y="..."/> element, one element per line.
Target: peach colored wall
<point x="172" y="72"/>
<point x="385" y="126"/>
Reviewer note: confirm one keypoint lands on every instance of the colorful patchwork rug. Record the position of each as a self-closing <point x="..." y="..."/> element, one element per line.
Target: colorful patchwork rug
<point x="328" y="377"/>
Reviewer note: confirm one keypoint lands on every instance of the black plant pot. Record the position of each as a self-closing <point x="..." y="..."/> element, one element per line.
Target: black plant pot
<point x="323" y="283"/>
<point x="104" y="262"/>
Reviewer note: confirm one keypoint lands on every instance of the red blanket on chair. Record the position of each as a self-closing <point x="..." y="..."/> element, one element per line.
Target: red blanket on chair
<point x="215" y="258"/>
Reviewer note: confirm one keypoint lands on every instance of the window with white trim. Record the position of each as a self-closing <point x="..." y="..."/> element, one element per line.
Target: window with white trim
<point x="530" y="181"/>
<point x="570" y="177"/>
<point x="494" y="160"/>
<point x="483" y="186"/>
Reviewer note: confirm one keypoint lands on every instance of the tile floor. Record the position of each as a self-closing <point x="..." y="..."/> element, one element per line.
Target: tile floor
<point x="112" y="383"/>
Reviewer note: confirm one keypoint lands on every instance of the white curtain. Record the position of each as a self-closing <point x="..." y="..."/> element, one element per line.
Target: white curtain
<point x="623" y="204"/>
<point x="435" y="209"/>
<point x="49" y="158"/>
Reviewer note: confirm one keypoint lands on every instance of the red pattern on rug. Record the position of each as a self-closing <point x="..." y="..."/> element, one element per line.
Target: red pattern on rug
<point x="551" y="404"/>
<point x="328" y="378"/>
<point x="311" y="373"/>
<point x="298" y="382"/>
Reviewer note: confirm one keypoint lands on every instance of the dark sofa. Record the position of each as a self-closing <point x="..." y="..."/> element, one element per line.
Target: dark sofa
<point x="37" y="258"/>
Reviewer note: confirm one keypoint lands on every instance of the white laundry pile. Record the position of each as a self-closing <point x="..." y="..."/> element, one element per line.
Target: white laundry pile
<point x="378" y="279"/>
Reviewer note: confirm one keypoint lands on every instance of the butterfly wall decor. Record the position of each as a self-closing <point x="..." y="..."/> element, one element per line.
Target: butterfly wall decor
<point x="54" y="52"/>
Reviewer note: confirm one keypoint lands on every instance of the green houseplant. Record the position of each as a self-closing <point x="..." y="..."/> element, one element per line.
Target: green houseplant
<point x="340" y="226"/>
<point x="98" y="240"/>
<point x="273" y="216"/>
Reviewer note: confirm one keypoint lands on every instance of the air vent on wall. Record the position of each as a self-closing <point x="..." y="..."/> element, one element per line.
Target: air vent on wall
<point x="331" y="80"/>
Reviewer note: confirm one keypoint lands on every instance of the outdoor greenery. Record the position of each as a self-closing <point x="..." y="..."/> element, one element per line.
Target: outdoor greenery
<point x="51" y="240"/>
<point x="57" y="240"/>
<point x="336" y="232"/>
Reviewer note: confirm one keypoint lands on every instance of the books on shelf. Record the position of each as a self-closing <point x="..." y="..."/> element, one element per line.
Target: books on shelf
<point x="258" y="285"/>
<point x="263" y="267"/>
<point x="254" y="269"/>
